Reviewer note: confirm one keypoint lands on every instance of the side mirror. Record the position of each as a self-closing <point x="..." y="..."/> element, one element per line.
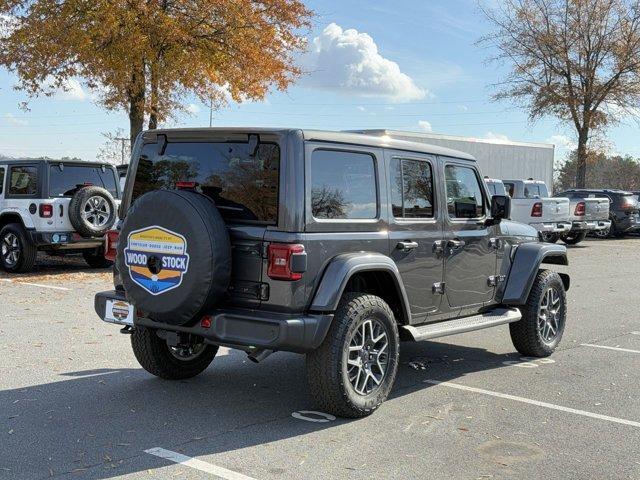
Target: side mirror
<point x="500" y="208"/>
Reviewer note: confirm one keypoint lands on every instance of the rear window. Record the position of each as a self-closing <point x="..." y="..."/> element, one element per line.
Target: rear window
<point x="343" y="185"/>
<point x="24" y="181"/>
<point x="496" y="188"/>
<point x="535" y="190"/>
<point x="65" y="179"/>
<point x="244" y="188"/>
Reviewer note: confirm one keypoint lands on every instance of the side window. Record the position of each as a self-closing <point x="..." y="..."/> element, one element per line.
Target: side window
<point x="1" y="179"/>
<point x="411" y="189"/>
<point x="464" y="194"/>
<point x="343" y="185"/>
<point x="510" y="187"/>
<point x="24" y="181"/>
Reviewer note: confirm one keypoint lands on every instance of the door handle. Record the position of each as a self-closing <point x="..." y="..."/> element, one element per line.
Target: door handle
<point x="407" y="246"/>
<point x="455" y="245"/>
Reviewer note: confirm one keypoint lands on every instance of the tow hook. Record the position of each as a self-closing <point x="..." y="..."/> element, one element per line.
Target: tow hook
<point x="259" y="355"/>
<point x="126" y="330"/>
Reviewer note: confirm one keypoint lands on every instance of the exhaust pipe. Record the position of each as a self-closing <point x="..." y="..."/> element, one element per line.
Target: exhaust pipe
<point x="259" y="355"/>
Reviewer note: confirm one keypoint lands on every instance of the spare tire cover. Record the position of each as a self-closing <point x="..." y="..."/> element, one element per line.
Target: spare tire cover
<point x="174" y="255"/>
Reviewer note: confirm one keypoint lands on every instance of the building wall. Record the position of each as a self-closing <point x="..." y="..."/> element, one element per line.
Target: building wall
<point x="497" y="159"/>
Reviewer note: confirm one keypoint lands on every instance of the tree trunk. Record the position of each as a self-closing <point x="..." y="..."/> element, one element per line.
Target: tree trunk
<point x="581" y="171"/>
<point x="153" y="104"/>
<point x="136" y="105"/>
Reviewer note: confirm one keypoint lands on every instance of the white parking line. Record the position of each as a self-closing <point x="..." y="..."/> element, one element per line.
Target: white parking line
<point x="197" y="464"/>
<point x="610" y="348"/>
<point x="7" y="280"/>
<point x="536" y="402"/>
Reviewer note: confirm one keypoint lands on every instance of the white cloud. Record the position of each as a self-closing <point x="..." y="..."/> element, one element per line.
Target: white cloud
<point x="192" y="108"/>
<point x="463" y="108"/>
<point x="69" y="89"/>
<point x="424" y="126"/>
<point x="8" y="23"/>
<point x="11" y="119"/>
<point x="361" y="108"/>
<point x="497" y="137"/>
<point x="562" y="142"/>
<point x="348" y="61"/>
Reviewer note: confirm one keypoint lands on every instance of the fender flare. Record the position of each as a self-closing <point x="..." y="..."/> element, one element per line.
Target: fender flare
<point x="524" y="268"/>
<point x="25" y="220"/>
<point x="343" y="267"/>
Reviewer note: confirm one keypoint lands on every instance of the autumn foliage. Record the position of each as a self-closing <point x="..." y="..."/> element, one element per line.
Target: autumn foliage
<point x="145" y="56"/>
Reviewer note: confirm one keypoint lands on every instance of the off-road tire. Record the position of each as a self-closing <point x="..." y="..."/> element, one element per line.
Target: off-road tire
<point x="28" y="251"/>
<point x="549" y="237"/>
<point x="575" y="238"/>
<point x="76" y="205"/>
<point x="96" y="259"/>
<point x="152" y="352"/>
<point x="524" y="333"/>
<point x="326" y="370"/>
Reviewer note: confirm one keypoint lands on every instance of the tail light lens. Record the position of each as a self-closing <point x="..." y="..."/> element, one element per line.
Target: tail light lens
<point x="580" y="209"/>
<point x="286" y="261"/>
<point x="46" y="210"/>
<point x="536" y="210"/>
<point x="111" y="244"/>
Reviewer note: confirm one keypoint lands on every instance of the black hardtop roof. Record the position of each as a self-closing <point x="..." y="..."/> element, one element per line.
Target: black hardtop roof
<point x="345" y="138"/>
<point x="18" y="161"/>
<point x="600" y="190"/>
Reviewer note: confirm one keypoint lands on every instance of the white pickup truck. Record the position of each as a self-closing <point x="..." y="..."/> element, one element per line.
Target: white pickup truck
<point x="531" y="204"/>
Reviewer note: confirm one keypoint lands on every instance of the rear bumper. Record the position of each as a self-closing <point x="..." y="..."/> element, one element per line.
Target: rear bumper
<point x="552" y="227"/>
<point x="591" y="225"/>
<point x="64" y="240"/>
<point x="627" y="223"/>
<point x="243" y="329"/>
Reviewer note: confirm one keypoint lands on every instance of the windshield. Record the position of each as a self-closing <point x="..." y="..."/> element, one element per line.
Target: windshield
<point x="244" y="187"/>
<point x="65" y="179"/>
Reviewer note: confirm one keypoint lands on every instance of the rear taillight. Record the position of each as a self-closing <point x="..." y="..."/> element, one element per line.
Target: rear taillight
<point x="580" y="209"/>
<point x="46" y="210"/>
<point x="111" y="244"/>
<point x="536" y="210"/>
<point x="286" y="261"/>
<point x="186" y="185"/>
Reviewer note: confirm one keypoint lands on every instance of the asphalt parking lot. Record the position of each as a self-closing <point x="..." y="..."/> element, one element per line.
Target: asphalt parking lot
<point x="74" y="403"/>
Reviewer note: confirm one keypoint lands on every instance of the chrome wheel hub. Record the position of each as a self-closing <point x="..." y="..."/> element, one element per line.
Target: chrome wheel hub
<point x="10" y="249"/>
<point x="187" y="352"/>
<point x="549" y="315"/>
<point x="96" y="211"/>
<point x="368" y="356"/>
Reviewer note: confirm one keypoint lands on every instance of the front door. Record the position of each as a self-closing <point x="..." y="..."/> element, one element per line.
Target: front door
<point x="415" y="225"/>
<point x="470" y="255"/>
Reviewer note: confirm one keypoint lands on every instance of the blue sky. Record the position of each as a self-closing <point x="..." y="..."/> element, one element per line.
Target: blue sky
<point x="405" y="65"/>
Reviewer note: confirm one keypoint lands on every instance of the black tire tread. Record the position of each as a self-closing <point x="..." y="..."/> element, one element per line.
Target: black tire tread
<point x="153" y="355"/>
<point x="96" y="260"/>
<point x="524" y="333"/>
<point x="29" y="250"/>
<point x="323" y="365"/>
<point x="574" y="239"/>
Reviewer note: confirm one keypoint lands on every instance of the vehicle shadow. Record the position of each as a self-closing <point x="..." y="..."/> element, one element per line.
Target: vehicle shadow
<point x="47" y="266"/>
<point x="96" y="424"/>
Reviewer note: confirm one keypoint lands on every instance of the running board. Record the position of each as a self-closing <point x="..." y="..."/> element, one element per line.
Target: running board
<point x="499" y="316"/>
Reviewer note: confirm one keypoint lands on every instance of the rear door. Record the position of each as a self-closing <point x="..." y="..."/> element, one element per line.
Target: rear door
<point x="244" y="187"/>
<point x="415" y="229"/>
<point x="470" y="252"/>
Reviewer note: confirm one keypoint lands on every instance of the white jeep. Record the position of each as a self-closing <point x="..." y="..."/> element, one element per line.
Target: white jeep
<point x="58" y="207"/>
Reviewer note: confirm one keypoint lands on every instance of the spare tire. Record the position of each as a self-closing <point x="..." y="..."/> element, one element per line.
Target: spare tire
<point x="92" y="211"/>
<point x="174" y="255"/>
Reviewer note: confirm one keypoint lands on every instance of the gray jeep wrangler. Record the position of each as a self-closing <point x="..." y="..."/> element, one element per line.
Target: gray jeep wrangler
<point x="330" y="244"/>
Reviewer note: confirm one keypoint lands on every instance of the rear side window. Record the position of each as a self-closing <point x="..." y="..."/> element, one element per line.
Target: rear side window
<point x="343" y="185"/>
<point x="411" y="189"/>
<point x="64" y="180"/>
<point x="23" y="181"/>
<point x="510" y="187"/>
<point x="244" y="187"/>
<point x="464" y="194"/>
<point x="1" y="179"/>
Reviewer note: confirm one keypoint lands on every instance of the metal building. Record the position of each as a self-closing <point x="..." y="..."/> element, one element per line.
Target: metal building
<point x="497" y="158"/>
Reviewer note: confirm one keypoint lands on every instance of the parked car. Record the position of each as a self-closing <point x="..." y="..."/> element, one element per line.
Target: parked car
<point x="331" y="244"/>
<point x="588" y="214"/>
<point x="623" y="210"/>
<point x="495" y="186"/>
<point x="58" y="207"/>
<point x="531" y="204"/>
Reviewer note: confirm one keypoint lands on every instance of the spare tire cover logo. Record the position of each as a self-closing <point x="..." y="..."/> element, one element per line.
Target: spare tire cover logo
<point x="171" y="258"/>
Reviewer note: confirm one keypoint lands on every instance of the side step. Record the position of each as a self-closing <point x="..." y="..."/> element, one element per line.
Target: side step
<point x="499" y="316"/>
